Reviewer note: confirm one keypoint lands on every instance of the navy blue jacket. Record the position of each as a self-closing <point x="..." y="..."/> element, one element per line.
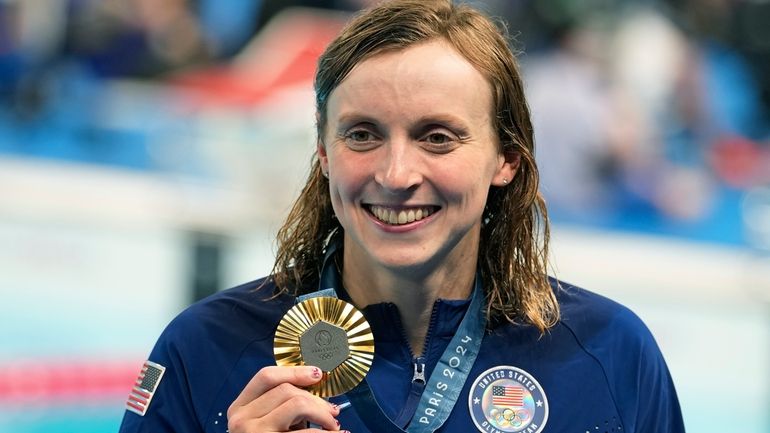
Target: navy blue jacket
<point x="598" y="370"/>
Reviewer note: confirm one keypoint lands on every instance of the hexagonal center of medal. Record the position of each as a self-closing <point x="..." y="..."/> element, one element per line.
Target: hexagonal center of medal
<point x="324" y="346"/>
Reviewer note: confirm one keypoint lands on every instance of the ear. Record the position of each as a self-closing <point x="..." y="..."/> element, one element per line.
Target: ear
<point x="323" y="156"/>
<point x="506" y="171"/>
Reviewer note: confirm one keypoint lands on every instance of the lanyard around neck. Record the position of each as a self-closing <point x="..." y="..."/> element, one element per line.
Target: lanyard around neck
<point x="444" y="385"/>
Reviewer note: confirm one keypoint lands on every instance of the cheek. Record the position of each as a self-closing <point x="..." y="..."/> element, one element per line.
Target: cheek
<point x="466" y="183"/>
<point x="465" y="194"/>
<point x="348" y="177"/>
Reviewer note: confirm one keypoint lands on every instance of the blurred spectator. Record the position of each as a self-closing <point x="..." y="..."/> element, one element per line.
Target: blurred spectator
<point x="739" y="26"/>
<point x="645" y="110"/>
<point x="30" y="32"/>
<point x="271" y="8"/>
<point x="228" y="25"/>
<point x="570" y="101"/>
<point x="139" y="38"/>
<point x="10" y="53"/>
<point x="629" y="114"/>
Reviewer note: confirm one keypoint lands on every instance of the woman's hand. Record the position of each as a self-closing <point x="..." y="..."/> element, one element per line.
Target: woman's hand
<point x="274" y="401"/>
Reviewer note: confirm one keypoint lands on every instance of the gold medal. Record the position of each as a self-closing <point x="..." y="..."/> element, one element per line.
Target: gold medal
<point x="330" y="334"/>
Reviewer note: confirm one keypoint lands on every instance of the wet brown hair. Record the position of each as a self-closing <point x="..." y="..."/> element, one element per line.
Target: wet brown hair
<point x="514" y="236"/>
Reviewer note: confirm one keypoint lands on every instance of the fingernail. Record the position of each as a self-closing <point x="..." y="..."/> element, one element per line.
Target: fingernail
<point x="335" y="408"/>
<point x="316" y="373"/>
<point x="338" y="423"/>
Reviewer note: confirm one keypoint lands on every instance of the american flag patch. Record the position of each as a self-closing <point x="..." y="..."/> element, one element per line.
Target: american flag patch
<point x="144" y="387"/>
<point x="507" y="396"/>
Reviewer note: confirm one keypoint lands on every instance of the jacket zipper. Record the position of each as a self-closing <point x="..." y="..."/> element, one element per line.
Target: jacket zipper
<point x="419" y="371"/>
<point x="418" y="378"/>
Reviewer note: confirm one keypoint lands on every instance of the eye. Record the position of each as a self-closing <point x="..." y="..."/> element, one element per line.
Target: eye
<point x="360" y="136"/>
<point x="439" y="141"/>
<point x="361" y="139"/>
<point x="438" y="138"/>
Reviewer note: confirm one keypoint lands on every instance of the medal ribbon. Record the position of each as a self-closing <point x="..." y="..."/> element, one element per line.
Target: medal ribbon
<point x="444" y="385"/>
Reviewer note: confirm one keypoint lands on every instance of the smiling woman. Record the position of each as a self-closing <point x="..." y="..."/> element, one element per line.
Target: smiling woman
<point x="513" y="257"/>
<point x="401" y="146"/>
<point x="422" y="211"/>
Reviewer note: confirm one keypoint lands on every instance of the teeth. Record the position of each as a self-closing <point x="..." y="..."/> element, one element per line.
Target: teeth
<point x="394" y="217"/>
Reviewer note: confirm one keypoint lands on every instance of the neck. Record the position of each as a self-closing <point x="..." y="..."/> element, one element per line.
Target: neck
<point x="413" y="292"/>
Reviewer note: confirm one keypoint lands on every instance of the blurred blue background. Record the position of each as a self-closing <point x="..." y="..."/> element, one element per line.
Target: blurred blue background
<point x="148" y="154"/>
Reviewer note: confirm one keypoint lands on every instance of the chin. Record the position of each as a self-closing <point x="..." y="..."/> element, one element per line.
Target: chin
<point x="404" y="261"/>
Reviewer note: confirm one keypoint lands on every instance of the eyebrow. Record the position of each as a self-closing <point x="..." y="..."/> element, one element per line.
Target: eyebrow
<point x="346" y="120"/>
<point x="444" y="119"/>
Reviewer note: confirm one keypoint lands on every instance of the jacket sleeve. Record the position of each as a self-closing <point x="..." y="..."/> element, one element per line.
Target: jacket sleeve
<point x="634" y="368"/>
<point x="171" y="408"/>
<point x="658" y="405"/>
<point x="641" y="382"/>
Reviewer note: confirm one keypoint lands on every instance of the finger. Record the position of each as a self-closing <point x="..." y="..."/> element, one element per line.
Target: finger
<point x="297" y="409"/>
<point x="275" y="397"/>
<point x="316" y="430"/>
<point x="269" y="377"/>
<point x="293" y="415"/>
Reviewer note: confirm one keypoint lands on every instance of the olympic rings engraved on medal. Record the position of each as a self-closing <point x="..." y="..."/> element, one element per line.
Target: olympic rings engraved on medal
<point x="331" y="334"/>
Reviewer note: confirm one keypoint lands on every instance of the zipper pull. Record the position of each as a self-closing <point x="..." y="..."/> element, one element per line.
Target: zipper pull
<point x="419" y="371"/>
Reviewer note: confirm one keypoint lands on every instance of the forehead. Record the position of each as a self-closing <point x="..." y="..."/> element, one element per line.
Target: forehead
<point x="425" y="77"/>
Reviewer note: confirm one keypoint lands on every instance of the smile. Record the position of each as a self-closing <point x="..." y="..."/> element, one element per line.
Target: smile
<point x="401" y="216"/>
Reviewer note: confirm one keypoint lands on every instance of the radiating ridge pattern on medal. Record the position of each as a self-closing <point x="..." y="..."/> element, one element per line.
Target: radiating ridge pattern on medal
<point x="312" y="327"/>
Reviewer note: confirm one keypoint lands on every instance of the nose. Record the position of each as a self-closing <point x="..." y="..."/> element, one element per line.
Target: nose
<point x="398" y="170"/>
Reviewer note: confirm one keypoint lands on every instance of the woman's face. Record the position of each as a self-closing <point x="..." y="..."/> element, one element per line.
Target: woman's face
<point x="411" y="152"/>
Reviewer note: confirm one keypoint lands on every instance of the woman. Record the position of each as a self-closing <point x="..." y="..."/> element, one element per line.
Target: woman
<point x="424" y="202"/>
